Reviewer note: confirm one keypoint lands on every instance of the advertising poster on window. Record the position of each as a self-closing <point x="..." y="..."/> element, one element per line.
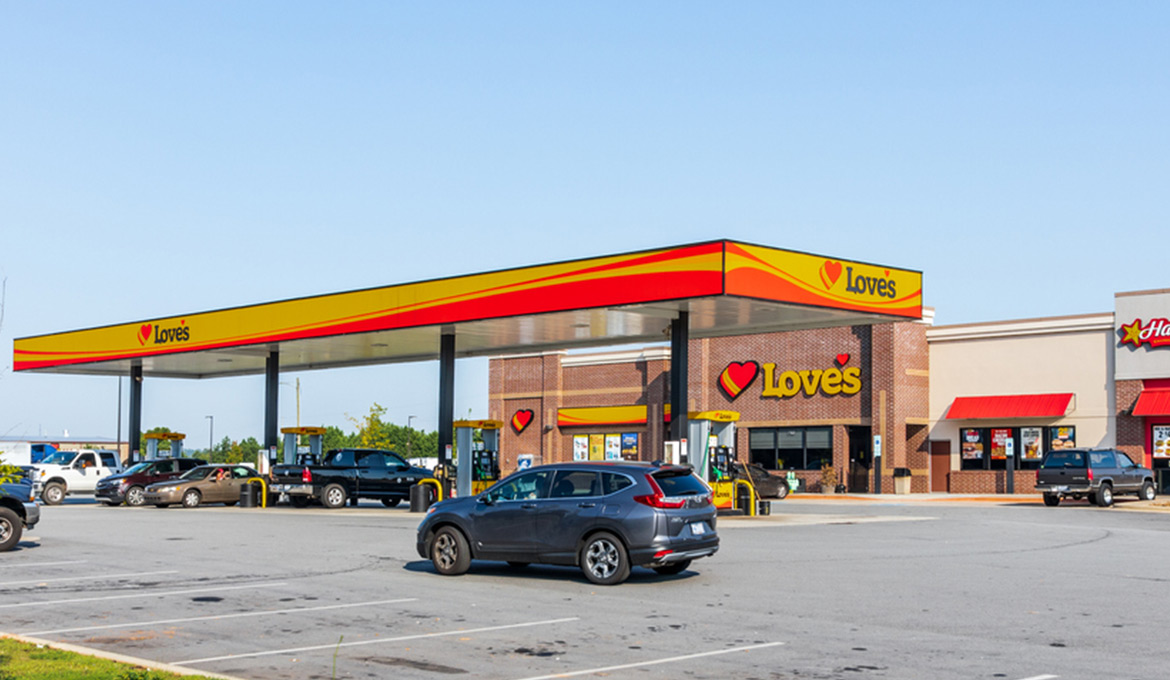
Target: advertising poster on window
<point x="580" y="447"/>
<point x="1030" y="444"/>
<point x="613" y="447"/>
<point x="999" y="439"/>
<point x="1064" y="437"/>
<point x="630" y="446"/>
<point x="1161" y="441"/>
<point x="596" y="447"/>
<point x="972" y="444"/>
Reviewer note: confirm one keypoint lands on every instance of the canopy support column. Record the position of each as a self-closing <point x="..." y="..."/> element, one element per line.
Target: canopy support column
<point x="271" y="391"/>
<point x="134" y="431"/>
<point x="446" y="394"/>
<point x="679" y="339"/>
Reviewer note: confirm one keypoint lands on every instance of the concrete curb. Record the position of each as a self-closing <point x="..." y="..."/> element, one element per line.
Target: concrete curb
<point x="120" y="658"/>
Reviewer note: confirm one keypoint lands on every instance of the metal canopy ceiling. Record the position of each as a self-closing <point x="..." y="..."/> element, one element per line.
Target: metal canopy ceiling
<point x="728" y="288"/>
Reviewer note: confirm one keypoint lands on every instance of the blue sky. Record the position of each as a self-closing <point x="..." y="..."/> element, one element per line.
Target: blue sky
<point x="161" y="158"/>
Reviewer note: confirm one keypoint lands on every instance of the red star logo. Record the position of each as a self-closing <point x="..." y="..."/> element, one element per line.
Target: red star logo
<point x="1133" y="333"/>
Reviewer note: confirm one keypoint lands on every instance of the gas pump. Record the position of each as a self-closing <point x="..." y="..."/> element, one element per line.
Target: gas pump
<point x="293" y="453"/>
<point x="711" y="430"/>
<point x="175" y="438"/>
<point x="713" y="457"/>
<point x="477" y="465"/>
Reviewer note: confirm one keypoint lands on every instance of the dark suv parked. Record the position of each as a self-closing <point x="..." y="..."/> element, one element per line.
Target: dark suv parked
<point x="1096" y="474"/>
<point x="18" y="511"/>
<point x="603" y="517"/>
<point x="129" y="485"/>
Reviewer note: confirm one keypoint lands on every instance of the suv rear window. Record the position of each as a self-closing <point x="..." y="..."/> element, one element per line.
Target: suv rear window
<point x="1064" y="459"/>
<point x="1103" y="459"/>
<point x="679" y="483"/>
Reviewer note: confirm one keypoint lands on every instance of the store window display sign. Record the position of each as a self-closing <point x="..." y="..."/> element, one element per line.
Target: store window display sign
<point x="991" y="448"/>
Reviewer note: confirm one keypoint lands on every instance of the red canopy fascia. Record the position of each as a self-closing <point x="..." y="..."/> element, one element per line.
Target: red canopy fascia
<point x="1152" y="403"/>
<point x="1010" y="406"/>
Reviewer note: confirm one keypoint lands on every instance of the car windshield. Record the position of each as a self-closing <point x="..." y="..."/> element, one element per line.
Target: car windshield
<point x="1064" y="459"/>
<point x="60" y="458"/>
<point x="195" y="474"/>
<point x="139" y="467"/>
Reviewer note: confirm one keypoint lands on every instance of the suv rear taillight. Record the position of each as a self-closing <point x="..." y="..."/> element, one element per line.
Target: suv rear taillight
<point x="1090" y="471"/>
<point x="306" y="476"/>
<point x="659" y="499"/>
<point x="1037" y="475"/>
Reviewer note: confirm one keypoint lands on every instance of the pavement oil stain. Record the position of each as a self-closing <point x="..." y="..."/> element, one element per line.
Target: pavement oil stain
<point x="417" y="665"/>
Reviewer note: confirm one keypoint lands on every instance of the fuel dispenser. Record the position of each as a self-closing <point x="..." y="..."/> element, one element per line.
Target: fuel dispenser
<point x="712" y="454"/>
<point x="175" y="438"/>
<point x="293" y="452"/>
<point x="477" y="464"/>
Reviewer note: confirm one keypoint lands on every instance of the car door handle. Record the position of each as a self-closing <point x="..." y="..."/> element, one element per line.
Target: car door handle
<point x="528" y="506"/>
<point x="586" y="505"/>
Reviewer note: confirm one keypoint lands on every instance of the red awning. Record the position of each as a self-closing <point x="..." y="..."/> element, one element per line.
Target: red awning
<point x="1152" y="403"/>
<point x="1010" y="406"/>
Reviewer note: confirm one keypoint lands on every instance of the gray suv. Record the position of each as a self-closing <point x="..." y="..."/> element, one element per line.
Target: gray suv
<point x="1096" y="474"/>
<point x="603" y="517"/>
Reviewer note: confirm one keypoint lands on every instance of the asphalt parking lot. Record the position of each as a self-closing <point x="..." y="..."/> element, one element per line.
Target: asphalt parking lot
<point x="820" y="589"/>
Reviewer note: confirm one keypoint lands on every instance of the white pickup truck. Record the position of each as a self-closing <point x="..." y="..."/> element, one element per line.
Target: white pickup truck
<point x="71" y="472"/>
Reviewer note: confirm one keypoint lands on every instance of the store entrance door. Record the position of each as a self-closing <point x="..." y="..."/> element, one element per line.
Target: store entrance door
<point x="940" y="464"/>
<point x="859" y="460"/>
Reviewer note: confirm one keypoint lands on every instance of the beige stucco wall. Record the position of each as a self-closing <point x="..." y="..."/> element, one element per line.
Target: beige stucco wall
<point x="1039" y="356"/>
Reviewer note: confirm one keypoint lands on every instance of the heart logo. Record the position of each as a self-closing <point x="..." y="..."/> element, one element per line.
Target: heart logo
<point x="144" y="333"/>
<point x="521" y="419"/>
<point x="830" y="272"/>
<point x="737" y="376"/>
<point x="842" y="359"/>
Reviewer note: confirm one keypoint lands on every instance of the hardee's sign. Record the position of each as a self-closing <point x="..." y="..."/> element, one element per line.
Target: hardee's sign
<point x="785" y="384"/>
<point x="1155" y="333"/>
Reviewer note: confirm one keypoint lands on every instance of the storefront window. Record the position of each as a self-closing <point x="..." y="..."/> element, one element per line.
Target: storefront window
<point x="972" y="443"/>
<point x="1064" y="437"/>
<point x="801" y="448"/>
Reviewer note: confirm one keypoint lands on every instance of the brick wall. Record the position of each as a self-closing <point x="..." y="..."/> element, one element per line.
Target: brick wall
<point x="990" y="481"/>
<point x="1131" y="430"/>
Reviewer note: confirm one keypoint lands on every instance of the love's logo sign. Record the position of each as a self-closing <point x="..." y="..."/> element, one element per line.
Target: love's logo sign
<point x="830" y="272"/>
<point x="144" y="333"/>
<point x="521" y="419"/>
<point x="737" y="376"/>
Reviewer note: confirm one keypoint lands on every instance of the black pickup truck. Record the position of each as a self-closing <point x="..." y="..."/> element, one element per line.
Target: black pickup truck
<point x="348" y="474"/>
<point x="18" y="511"/>
<point x="1095" y="474"/>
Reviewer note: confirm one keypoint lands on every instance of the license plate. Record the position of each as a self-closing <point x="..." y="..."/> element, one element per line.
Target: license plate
<point x="1058" y="488"/>
<point x="698" y="528"/>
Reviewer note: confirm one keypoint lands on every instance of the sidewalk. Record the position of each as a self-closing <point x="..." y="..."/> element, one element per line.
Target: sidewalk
<point x="1121" y="503"/>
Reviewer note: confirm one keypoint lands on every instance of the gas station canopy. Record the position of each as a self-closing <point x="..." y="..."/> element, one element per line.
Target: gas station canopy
<point x="726" y="287"/>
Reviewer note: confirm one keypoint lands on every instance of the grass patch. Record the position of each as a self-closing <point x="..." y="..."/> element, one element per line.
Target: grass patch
<point x="26" y="661"/>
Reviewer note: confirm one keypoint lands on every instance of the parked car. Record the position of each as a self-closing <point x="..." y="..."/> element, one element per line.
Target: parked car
<point x="62" y="473"/>
<point x="346" y="474"/>
<point x="18" y="511"/>
<point x="1096" y="474"/>
<point x="204" y="484"/>
<point x="130" y="486"/>
<point x="603" y="517"/>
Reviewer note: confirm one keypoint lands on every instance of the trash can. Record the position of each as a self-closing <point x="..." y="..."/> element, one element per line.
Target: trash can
<point x="420" y="497"/>
<point x="249" y="495"/>
<point x="901" y="480"/>
<point x="764" y="508"/>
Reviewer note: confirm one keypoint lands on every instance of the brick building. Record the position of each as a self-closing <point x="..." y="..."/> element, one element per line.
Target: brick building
<point x="955" y="407"/>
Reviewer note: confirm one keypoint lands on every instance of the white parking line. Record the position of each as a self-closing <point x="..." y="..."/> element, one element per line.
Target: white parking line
<point x="216" y="617"/>
<point x="1041" y="677"/>
<point x="655" y="662"/>
<point x="125" y="597"/>
<point x="85" y="578"/>
<point x="22" y="565"/>
<point x="334" y="645"/>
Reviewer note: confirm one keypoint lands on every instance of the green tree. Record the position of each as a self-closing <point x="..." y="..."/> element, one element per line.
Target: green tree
<point x="334" y="438"/>
<point x="163" y="444"/>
